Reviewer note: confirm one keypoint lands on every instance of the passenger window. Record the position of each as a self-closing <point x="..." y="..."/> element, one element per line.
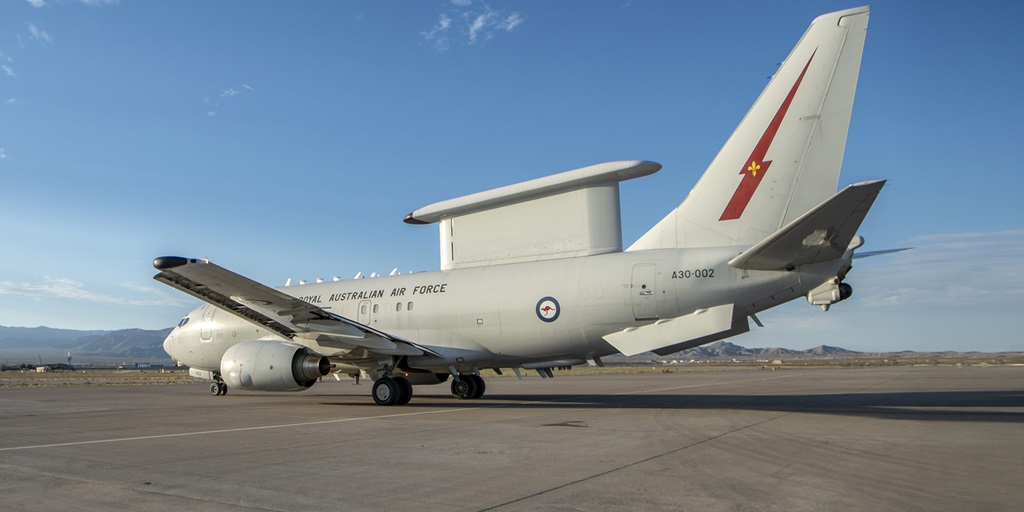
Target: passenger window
<point x="376" y="308"/>
<point x="410" y="306"/>
<point x="362" y="309"/>
<point x="398" y="307"/>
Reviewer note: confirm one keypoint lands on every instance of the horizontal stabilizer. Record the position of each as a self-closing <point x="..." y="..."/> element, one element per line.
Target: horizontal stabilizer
<point x="672" y="331"/>
<point x="822" y="234"/>
<point x="869" y="254"/>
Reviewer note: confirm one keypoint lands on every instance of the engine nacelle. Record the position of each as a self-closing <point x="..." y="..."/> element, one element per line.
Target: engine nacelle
<point x="268" y="365"/>
<point x="829" y="293"/>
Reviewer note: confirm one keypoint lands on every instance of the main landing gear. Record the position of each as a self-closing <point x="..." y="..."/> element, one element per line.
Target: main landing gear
<point x="392" y="391"/>
<point x="468" y="387"/>
<point x="218" y="387"/>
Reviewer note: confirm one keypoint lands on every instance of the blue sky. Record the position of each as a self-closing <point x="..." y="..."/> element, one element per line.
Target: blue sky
<point x="290" y="139"/>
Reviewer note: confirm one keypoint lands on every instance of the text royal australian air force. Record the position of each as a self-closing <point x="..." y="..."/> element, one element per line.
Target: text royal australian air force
<point x="380" y="293"/>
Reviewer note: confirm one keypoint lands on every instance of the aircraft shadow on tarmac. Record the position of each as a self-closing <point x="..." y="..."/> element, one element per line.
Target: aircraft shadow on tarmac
<point x="968" y="406"/>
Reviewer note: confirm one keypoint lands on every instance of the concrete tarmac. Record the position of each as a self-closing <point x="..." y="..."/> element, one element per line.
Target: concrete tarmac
<point x="929" y="438"/>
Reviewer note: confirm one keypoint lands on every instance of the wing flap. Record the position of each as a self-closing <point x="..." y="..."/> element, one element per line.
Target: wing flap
<point x="673" y="331"/>
<point x="822" y="234"/>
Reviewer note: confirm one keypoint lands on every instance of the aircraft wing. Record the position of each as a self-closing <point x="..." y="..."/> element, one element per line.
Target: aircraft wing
<point x="822" y="234"/>
<point x="277" y="311"/>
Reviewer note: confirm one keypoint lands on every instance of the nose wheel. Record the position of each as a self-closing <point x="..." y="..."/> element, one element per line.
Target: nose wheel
<point x="218" y="388"/>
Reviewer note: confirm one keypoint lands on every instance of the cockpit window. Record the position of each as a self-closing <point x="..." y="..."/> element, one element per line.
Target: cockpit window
<point x="183" y="322"/>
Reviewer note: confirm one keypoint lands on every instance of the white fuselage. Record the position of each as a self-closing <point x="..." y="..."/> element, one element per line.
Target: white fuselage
<point x="517" y="314"/>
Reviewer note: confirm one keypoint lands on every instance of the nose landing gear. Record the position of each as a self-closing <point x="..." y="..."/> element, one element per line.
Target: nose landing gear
<point x="218" y="387"/>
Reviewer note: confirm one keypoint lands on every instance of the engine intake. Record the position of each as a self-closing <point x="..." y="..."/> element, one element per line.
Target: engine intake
<point x="268" y="365"/>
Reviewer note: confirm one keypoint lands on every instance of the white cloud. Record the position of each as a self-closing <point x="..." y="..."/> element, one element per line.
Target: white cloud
<point x="512" y="21"/>
<point x="39" y="34"/>
<point x="65" y="288"/>
<point x="225" y="95"/>
<point x="437" y="36"/>
<point x="477" y="24"/>
<point x="3" y="153"/>
<point x="970" y="270"/>
<point x="8" y="71"/>
<point x="37" y="3"/>
<point x="951" y="292"/>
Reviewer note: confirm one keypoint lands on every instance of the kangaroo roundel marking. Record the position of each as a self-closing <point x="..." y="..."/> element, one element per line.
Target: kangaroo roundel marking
<point x="548" y="309"/>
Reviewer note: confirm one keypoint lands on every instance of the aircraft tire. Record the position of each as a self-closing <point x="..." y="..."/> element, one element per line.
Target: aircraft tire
<point x="481" y="387"/>
<point x="223" y="387"/>
<point x="215" y="389"/>
<point x="386" y="391"/>
<point x="406" y="390"/>
<point x="464" y="388"/>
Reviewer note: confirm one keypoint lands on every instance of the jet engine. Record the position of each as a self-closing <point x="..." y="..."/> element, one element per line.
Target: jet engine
<point x="268" y="365"/>
<point x="828" y="293"/>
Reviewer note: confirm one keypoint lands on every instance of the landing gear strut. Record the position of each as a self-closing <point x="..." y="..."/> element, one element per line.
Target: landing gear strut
<point x="218" y="387"/>
<point x="392" y="391"/>
<point x="468" y="387"/>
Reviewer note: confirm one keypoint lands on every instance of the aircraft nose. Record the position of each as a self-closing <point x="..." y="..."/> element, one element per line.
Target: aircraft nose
<point x="170" y="343"/>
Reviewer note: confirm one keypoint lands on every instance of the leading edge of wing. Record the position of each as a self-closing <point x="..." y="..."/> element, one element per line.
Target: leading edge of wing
<point x="277" y="311"/>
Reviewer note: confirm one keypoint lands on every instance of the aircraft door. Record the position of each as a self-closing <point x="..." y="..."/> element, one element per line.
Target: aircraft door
<point x="645" y="300"/>
<point x="206" y="325"/>
<point x="363" y="313"/>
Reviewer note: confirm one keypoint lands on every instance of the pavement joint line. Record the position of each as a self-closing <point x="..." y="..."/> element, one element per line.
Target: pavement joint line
<point x="632" y="464"/>
<point x="345" y="420"/>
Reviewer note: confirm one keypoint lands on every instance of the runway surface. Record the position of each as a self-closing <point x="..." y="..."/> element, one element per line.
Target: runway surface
<point x="949" y="438"/>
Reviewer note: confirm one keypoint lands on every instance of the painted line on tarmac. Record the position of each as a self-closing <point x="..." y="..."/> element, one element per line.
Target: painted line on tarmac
<point x="229" y="430"/>
<point x="360" y="418"/>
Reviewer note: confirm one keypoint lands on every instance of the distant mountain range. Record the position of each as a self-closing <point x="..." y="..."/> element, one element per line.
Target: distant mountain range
<point x="124" y="343"/>
<point x="145" y="344"/>
<point x="726" y="350"/>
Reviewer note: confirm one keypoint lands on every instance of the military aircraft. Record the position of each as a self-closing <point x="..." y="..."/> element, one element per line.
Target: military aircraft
<point x="533" y="275"/>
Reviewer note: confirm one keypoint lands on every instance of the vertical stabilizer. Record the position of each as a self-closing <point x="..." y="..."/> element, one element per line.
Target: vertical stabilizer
<point x="784" y="157"/>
